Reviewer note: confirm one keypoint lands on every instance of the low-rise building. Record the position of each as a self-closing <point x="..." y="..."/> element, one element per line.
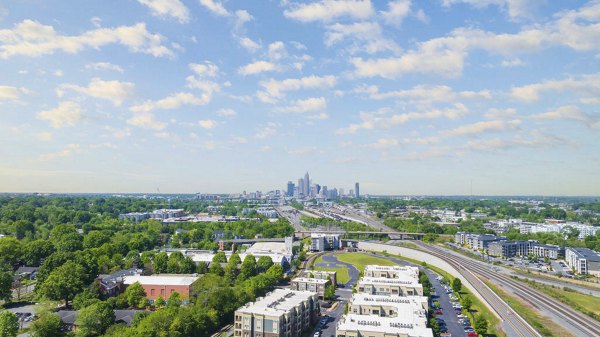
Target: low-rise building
<point x="163" y="285"/>
<point x="550" y="251"/>
<point x="583" y="260"/>
<point x="387" y="287"/>
<point x="397" y="272"/>
<point x="322" y="242"/>
<point x="389" y="306"/>
<point x="112" y="284"/>
<point x="320" y="274"/>
<point x="310" y="284"/>
<point x="352" y="325"/>
<point x="281" y="313"/>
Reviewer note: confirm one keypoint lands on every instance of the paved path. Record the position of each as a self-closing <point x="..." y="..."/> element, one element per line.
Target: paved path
<point x="331" y="261"/>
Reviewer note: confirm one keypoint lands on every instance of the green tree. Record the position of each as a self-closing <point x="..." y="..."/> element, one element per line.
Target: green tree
<point x="35" y="251"/>
<point x="202" y="268"/>
<point x="220" y="257"/>
<point x="10" y="251"/>
<point x="160" y="262"/>
<point x="456" y="285"/>
<point x="466" y="303"/>
<point x="174" y="300"/>
<point x="5" y="286"/>
<point x="9" y="324"/>
<point x="64" y="282"/>
<point x="47" y="325"/>
<point x="275" y="272"/>
<point x="234" y="259"/>
<point x="329" y="293"/>
<point x="94" y="320"/>
<point x="215" y="268"/>
<point x="433" y="324"/>
<point x="159" y="302"/>
<point x="481" y="325"/>
<point x="134" y="294"/>
<point x="248" y="268"/>
<point x="264" y="263"/>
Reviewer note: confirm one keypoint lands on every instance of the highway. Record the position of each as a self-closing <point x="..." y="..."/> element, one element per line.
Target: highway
<point x="292" y="215"/>
<point x="572" y="320"/>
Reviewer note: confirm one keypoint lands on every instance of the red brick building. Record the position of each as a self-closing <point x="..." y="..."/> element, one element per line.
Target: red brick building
<point x="163" y="285"/>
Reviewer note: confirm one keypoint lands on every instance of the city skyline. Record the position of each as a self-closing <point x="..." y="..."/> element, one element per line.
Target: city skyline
<point x="448" y="97"/>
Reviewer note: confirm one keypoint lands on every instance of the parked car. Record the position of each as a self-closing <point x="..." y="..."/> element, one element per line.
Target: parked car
<point x="438" y="311"/>
<point x="317" y="334"/>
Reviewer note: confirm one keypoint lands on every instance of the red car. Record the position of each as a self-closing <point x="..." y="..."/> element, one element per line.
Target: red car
<point x="438" y="312"/>
<point x="472" y="334"/>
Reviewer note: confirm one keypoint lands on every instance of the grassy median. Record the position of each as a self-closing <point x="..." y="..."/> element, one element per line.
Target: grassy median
<point x="341" y="273"/>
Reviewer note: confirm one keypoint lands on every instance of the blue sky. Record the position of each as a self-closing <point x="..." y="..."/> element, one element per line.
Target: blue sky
<point x="406" y="97"/>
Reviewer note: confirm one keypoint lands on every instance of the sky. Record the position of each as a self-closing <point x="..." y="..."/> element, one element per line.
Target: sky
<point x="440" y="97"/>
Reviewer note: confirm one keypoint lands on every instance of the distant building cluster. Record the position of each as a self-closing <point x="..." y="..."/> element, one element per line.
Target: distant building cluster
<point x="389" y="303"/>
<point x="321" y="242"/>
<point x="499" y="246"/>
<point x="305" y="189"/>
<point x="160" y="214"/>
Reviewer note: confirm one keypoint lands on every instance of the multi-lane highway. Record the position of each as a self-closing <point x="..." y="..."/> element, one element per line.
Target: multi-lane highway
<point x="573" y="321"/>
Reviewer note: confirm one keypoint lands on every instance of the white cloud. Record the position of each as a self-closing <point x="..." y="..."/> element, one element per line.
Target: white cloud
<point x="249" y="44"/>
<point x="276" y="50"/>
<point x="174" y="8"/>
<point x="207" y="124"/>
<point x="146" y="120"/>
<point x="215" y="7"/>
<point x="241" y="18"/>
<point x="570" y="112"/>
<point x="66" y="114"/>
<point x="428" y="93"/>
<point x="173" y="101"/>
<point x="587" y="87"/>
<point x="210" y="145"/>
<point x="384" y="143"/>
<point x="69" y="151"/>
<point x="113" y="91"/>
<point x="239" y="140"/>
<point x="379" y="120"/>
<point x="118" y="133"/>
<point x="327" y="10"/>
<point x="368" y="33"/>
<point x="30" y="38"/>
<point x="274" y="89"/>
<point x="258" y="67"/>
<point x="495" y="113"/>
<point x="397" y="11"/>
<point x="8" y="93"/>
<point x="303" y="151"/>
<point x="104" y="66"/>
<point x="483" y="127"/>
<point x="226" y="112"/>
<point x="305" y="105"/>
<point x="515" y="8"/>
<point x="206" y="69"/>
<point x="510" y="63"/>
<point x="267" y="131"/>
<point x="45" y="136"/>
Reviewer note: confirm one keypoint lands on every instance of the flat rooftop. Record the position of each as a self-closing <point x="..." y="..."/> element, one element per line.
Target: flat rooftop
<point x="412" y="302"/>
<point x="277" y="302"/>
<point x="387" y="325"/>
<point x="587" y="254"/>
<point x="400" y="270"/>
<point x="309" y="280"/>
<point x="161" y="280"/>
<point x="390" y="281"/>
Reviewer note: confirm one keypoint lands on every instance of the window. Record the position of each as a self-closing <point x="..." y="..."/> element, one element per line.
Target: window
<point x="152" y="292"/>
<point x="162" y="292"/>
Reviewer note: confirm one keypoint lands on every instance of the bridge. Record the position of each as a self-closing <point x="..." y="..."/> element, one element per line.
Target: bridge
<point x="392" y="235"/>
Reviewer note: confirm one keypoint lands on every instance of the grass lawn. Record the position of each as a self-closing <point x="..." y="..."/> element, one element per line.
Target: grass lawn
<point x="342" y="273"/>
<point x="543" y="325"/>
<point x="360" y="260"/>
<point x="588" y="304"/>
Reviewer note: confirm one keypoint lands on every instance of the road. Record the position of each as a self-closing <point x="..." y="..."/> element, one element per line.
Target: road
<point x="573" y="321"/>
<point x="355" y="215"/>
<point x="292" y="215"/>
